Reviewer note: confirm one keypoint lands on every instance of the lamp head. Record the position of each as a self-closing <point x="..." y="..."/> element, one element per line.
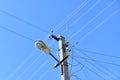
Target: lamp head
<point x="41" y="45"/>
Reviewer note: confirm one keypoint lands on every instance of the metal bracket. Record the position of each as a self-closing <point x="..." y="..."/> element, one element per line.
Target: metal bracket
<point x="61" y="61"/>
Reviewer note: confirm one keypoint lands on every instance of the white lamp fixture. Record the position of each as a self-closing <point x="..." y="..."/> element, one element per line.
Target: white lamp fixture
<point x="41" y="45"/>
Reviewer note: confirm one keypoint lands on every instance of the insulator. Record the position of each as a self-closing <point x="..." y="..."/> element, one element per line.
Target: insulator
<point x="68" y="49"/>
<point x="52" y="30"/>
<point x="67" y="44"/>
<point x="49" y="36"/>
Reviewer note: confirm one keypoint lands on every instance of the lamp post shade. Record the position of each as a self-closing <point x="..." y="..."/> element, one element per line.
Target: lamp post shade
<point x="41" y="45"/>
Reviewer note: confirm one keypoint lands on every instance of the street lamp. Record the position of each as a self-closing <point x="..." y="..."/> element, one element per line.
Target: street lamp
<point x="62" y="62"/>
<point x="41" y="45"/>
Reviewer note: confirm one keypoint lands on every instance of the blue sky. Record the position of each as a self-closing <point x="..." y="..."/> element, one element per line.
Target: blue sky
<point x="91" y="27"/>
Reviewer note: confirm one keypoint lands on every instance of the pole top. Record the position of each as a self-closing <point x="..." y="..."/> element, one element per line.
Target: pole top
<point x="61" y="37"/>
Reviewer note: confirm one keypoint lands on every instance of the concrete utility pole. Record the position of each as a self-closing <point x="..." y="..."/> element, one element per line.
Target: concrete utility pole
<point x="64" y="64"/>
<point x="63" y="57"/>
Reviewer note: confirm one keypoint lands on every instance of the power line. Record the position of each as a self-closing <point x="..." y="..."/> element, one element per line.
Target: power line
<point x="88" y="10"/>
<point x="91" y="70"/>
<point x="100" y="69"/>
<point x="99" y="61"/>
<point x="74" y="12"/>
<point x="73" y="73"/>
<point x="96" y="73"/>
<point x="102" y="66"/>
<point x="86" y="75"/>
<point x="76" y="77"/>
<point x="71" y="63"/>
<point x="21" y="65"/>
<point x="25" y="70"/>
<point x="7" y="29"/>
<point x="93" y="66"/>
<point x="92" y="52"/>
<point x="99" y="25"/>
<point x="83" y="27"/>
<point x="39" y="68"/>
<point x="45" y="73"/>
<point x="22" y="20"/>
<point x="83" y="65"/>
<point x="78" y="70"/>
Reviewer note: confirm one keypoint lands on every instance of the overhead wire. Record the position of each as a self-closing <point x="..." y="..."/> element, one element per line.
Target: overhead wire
<point x="100" y="65"/>
<point x="94" y="60"/>
<point x="77" y="71"/>
<point x="67" y="30"/>
<point x="82" y="50"/>
<point x="74" y="12"/>
<point x="25" y="70"/>
<point x="70" y="71"/>
<point x="110" y="73"/>
<point x="99" y="69"/>
<point x="73" y="73"/>
<point x="88" y="10"/>
<point x="21" y="65"/>
<point x="77" y="64"/>
<point x="98" y="53"/>
<point x="78" y="78"/>
<point x="98" y="14"/>
<point x="86" y="75"/>
<point x="41" y="77"/>
<point x="97" y="60"/>
<point x="99" y="25"/>
<point x="37" y="70"/>
<point x="96" y="73"/>
<point x="71" y="66"/>
<point x="22" y="20"/>
<point x="18" y="34"/>
<point x="91" y="70"/>
<point x="106" y="20"/>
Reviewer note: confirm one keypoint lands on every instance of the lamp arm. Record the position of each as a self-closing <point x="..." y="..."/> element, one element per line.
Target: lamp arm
<point x="54" y="57"/>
